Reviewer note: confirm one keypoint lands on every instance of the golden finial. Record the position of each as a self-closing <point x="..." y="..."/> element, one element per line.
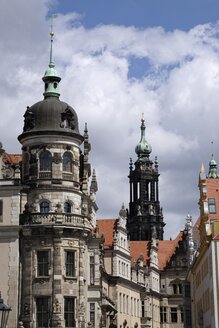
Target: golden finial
<point x="142" y="117"/>
<point x="202" y="168"/>
<point x="52" y="25"/>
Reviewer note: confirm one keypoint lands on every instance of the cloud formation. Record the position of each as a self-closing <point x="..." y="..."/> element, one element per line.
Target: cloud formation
<point x="177" y="92"/>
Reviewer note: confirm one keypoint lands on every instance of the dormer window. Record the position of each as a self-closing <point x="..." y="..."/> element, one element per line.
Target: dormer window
<point x="67" y="162"/>
<point x="45" y="161"/>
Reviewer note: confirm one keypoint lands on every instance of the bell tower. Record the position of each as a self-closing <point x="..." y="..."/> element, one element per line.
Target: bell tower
<point x="145" y="214"/>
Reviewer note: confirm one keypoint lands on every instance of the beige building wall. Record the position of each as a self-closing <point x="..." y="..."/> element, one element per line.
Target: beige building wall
<point x="128" y="306"/>
<point x="9" y="247"/>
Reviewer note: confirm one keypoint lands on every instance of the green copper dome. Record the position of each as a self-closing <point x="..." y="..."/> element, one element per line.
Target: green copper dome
<point x="51" y="78"/>
<point x="143" y="148"/>
<point x="212" y="174"/>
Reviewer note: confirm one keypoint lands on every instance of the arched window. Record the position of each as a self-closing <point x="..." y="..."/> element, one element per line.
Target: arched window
<point x="67" y="207"/>
<point x="44" y="207"/>
<point x="45" y="161"/>
<point x="67" y="162"/>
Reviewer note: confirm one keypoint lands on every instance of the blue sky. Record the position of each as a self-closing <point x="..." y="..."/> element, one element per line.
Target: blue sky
<point x="171" y="14"/>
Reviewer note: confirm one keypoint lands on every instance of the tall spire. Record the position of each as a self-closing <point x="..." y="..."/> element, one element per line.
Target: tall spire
<point x="143" y="148"/>
<point x="93" y="186"/>
<point x="51" y="78"/>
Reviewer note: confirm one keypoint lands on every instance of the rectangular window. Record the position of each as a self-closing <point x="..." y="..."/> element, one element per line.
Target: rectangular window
<point x="92" y="270"/>
<point x="43" y="263"/>
<point x="42" y="312"/>
<point x="182" y="315"/>
<point x="211" y="205"/>
<point x="1" y="210"/>
<point x="70" y="263"/>
<point x="124" y="305"/>
<point x="92" y="314"/>
<point x="174" y="289"/>
<point x="120" y="302"/>
<point x="173" y="314"/>
<point x="69" y="308"/>
<point x="163" y="314"/>
<point x="142" y="309"/>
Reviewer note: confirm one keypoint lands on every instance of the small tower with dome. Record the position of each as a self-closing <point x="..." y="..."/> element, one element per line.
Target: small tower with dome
<point x="58" y="212"/>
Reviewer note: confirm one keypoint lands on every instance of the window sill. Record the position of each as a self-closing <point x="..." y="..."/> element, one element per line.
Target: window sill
<point x="70" y="279"/>
<point x="41" y="279"/>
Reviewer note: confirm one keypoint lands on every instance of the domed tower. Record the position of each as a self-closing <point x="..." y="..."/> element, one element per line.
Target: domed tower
<point x="145" y="215"/>
<point x="59" y="212"/>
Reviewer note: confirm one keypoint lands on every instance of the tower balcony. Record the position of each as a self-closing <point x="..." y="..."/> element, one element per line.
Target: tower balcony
<point x="64" y="219"/>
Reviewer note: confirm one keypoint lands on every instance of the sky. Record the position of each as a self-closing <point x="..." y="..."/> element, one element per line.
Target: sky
<point x="119" y="59"/>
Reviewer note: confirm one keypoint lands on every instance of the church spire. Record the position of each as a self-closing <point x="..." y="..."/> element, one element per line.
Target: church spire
<point x="212" y="174"/>
<point x="143" y="148"/>
<point x="51" y="78"/>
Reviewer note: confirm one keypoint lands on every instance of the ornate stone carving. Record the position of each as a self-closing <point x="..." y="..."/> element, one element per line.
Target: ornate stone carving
<point x="68" y="120"/>
<point x="57" y="306"/>
<point x="81" y="309"/>
<point x="58" y="208"/>
<point x="7" y="172"/>
<point x="29" y="120"/>
<point x="57" y="159"/>
<point x="26" y="309"/>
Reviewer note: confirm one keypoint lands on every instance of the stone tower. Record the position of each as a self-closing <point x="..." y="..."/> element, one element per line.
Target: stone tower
<point x="145" y="215"/>
<point x="59" y="212"/>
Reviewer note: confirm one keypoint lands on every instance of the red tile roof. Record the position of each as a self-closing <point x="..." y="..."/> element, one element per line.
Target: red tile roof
<point x="166" y="248"/>
<point x="12" y="158"/>
<point x="106" y="228"/>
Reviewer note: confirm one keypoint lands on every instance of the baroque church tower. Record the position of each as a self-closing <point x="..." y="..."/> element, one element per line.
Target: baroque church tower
<point x="145" y="218"/>
<point x="59" y="214"/>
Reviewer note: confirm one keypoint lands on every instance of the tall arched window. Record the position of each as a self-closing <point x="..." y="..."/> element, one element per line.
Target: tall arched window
<point x="67" y="207"/>
<point x="67" y="162"/>
<point x="44" y="207"/>
<point x="45" y="161"/>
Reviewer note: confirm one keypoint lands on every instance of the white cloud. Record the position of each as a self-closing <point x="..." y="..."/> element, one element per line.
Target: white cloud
<point x="178" y="95"/>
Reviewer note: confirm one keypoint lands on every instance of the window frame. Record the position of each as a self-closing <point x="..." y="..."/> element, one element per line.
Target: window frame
<point x="69" y="315"/>
<point x="67" y="162"/>
<point x="92" y="269"/>
<point x="92" y="313"/>
<point x="43" y="265"/>
<point x="43" y="321"/>
<point x="70" y="265"/>
<point x="173" y="314"/>
<point x="212" y="205"/>
<point x="44" y="206"/>
<point x="45" y="163"/>
<point x="163" y="314"/>
<point x="67" y="207"/>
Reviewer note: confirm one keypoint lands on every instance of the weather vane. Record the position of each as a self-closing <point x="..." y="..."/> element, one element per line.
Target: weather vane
<point x="52" y="17"/>
<point x="212" y="146"/>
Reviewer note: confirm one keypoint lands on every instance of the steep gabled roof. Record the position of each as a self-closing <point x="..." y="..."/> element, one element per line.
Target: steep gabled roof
<point x="106" y="228"/>
<point x="166" y="248"/>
